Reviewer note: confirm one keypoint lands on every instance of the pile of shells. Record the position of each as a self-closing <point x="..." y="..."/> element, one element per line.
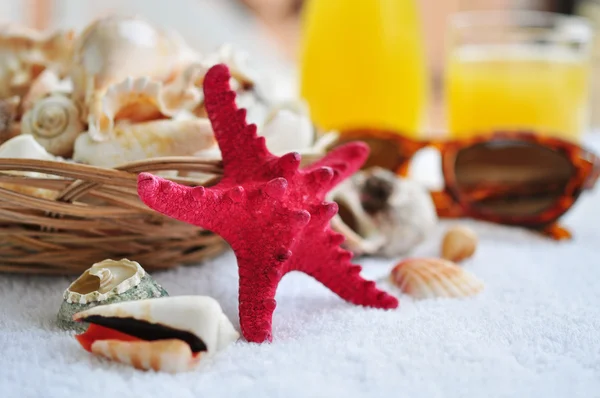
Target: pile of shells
<point x="124" y="90"/>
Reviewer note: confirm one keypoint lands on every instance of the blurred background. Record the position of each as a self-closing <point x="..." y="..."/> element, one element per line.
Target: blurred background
<point x="269" y="30"/>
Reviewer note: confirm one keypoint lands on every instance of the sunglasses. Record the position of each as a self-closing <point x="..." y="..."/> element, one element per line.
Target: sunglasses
<point x="508" y="177"/>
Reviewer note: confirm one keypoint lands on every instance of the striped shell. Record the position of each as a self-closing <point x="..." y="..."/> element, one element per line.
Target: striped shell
<point x="424" y="278"/>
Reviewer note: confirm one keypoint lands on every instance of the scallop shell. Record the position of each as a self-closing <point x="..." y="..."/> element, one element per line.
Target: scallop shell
<point x="189" y="327"/>
<point x="108" y="281"/>
<point x="140" y="141"/>
<point x="24" y="146"/>
<point x="424" y="278"/>
<point x="55" y="123"/>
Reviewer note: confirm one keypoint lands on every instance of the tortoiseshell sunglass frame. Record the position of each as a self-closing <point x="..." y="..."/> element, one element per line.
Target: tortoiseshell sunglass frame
<point x="451" y="202"/>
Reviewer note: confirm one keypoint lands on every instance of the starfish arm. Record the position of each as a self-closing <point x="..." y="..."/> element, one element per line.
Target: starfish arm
<point x="257" y="299"/>
<point x="331" y="265"/>
<point x="188" y="204"/>
<point x="239" y="143"/>
<point x="344" y="160"/>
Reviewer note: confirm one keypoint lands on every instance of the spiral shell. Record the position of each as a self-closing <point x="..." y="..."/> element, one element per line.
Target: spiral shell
<point x="55" y="123"/>
<point x="424" y="278"/>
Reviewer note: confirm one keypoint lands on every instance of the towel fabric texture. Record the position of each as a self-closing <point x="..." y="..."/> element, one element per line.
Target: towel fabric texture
<point x="533" y="332"/>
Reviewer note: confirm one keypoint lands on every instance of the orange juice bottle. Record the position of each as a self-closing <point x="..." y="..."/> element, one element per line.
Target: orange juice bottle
<point x="363" y="65"/>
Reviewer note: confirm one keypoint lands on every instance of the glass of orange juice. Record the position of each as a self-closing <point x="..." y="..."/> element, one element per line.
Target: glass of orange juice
<point x="518" y="69"/>
<point x="362" y="65"/>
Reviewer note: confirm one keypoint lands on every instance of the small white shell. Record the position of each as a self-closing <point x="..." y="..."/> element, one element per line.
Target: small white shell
<point x="55" y="123"/>
<point x="424" y="278"/>
<point x="236" y="61"/>
<point x="286" y="131"/>
<point x="201" y="316"/>
<point x="147" y="140"/>
<point x="24" y="146"/>
<point x="104" y="280"/>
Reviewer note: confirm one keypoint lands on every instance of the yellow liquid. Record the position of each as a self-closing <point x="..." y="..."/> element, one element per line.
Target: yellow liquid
<point x="362" y="65"/>
<point x="516" y="88"/>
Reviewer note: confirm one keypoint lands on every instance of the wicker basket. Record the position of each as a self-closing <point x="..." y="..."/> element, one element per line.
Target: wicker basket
<point x="93" y="214"/>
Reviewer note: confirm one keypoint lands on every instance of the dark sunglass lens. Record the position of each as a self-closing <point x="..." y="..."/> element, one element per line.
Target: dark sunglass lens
<point x="383" y="153"/>
<point x="512" y="178"/>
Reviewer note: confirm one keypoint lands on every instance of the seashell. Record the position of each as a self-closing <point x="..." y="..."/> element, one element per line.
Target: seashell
<point x="55" y="123"/>
<point x="459" y="243"/>
<point x="106" y="282"/>
<point x="114" y="48"/>
<point x="25" y="52"/>
<point x="169" y="334"/>
<point x="24" y="146"/>
<point x="424" y="278"/>
<point x="140" y="141"/>
<point x="381" y="207"/>
<point x="8" y="114"/>
<point x="236" y="61"/>
<point x="286" y="131"/>
<point x="46" y="83"/>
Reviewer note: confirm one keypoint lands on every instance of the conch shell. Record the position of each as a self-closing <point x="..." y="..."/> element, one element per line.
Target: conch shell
<point x="141" y="99"/>
<point x="55" y="123"/>
<point x="169" y="334"/>
<point x="389" y="215"/>
<point x="424" y="278"/>
<point x="146" y="140"/>
<point x="25" y="52"/>
<point x="114" y="48"/>
<point x="24" y="146"/>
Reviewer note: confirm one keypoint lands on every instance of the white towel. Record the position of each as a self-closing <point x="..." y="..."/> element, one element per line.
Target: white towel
<point x="533" y="332"/>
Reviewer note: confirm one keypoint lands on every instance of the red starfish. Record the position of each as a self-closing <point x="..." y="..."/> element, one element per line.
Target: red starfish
<point x="271" y="212"/>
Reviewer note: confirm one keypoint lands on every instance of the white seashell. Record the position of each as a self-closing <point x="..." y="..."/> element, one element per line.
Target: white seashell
<point x="236" y="61"/>
<point x="398" y="211"/>
<point x="55" y="123"/>
<point x="115" y="48"/>
<point x="286" y="131"/>
<point x="26" y="147"/>
<point x="196" y="321"/>
<point x="104" y="280"/>
<point x="46" y="83"/>
<point x="140" y="141"/>
<point x="424" y="278"/>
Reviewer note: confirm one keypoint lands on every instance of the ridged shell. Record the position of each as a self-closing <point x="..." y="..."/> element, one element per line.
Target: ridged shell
<point x="424" y="278"/>
<point x="132" y="142"/>
<point x="171" y="356"/>
<point x="201" y="316"/>
<point x="103" y="280"/>
<point x="55" y="123"/>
